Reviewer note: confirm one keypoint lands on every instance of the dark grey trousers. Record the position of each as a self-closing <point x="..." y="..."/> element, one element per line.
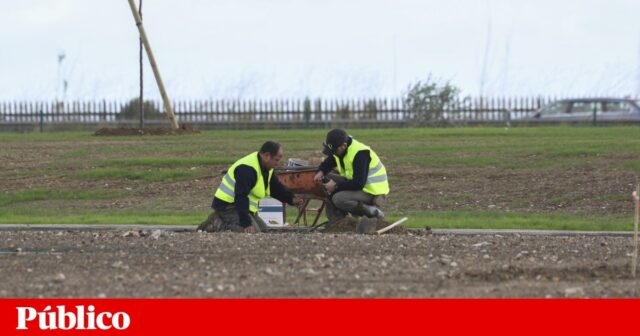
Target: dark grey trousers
<point x="347" y="201"/>
<point x="228" y="220"/>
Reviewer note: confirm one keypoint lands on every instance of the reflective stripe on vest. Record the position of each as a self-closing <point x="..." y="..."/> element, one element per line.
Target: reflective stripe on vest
<point x="226" y="190"/>
<point x="377" y="182"/>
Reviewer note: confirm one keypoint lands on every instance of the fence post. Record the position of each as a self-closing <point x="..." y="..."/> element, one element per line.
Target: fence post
<point x="307" y="111"/>
<point x="41" y="119"/>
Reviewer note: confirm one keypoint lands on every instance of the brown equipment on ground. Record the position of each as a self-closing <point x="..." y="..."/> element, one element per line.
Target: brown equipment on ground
<point x="299" y="179"/>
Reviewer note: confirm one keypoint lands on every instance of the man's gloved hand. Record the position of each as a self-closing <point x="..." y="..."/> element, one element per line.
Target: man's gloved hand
<point x="330" y="186"/>
<point x="318" y="177"/>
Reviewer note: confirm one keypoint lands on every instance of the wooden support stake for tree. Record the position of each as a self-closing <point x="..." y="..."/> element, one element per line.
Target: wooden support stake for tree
<point x="154" y="67"/>
<point x="634" y="258"/>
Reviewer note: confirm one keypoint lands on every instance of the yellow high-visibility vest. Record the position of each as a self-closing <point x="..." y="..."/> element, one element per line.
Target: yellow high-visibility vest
<point x="226" y="190"/>
<point x="377" y="182"/>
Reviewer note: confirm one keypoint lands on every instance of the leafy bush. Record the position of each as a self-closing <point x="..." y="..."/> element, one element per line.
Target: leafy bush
<point x="427" y="99"/>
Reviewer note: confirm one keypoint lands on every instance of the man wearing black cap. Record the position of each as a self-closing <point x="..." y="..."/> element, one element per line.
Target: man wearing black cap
<point x="362" y="180"/>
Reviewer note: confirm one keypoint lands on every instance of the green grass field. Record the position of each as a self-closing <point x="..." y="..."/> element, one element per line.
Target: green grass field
<point x="573" y="178"/>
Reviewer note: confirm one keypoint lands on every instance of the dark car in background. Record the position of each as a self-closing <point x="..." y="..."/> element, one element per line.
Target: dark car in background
<point x="583" y="109"/>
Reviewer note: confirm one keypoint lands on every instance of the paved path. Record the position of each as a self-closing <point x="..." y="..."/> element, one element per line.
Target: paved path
<point x="183" y="228"/>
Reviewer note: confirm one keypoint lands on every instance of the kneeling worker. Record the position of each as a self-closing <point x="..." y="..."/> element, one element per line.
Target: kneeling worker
<point x="249" y="180"/>
<point x="362" y="181"/>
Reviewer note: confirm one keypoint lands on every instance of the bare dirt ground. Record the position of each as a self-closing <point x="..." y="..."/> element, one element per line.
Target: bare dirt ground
<point x="156" y="263"/>
<point x="190" y="264"/>
<point x="599" y="190"/>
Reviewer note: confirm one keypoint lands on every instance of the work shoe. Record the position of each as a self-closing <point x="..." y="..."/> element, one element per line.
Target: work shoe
<point x="369" y="211"/>
<point x="379" y="213"/>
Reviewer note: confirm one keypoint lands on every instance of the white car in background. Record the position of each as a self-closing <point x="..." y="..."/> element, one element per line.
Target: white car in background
<point x="583" y="109"/>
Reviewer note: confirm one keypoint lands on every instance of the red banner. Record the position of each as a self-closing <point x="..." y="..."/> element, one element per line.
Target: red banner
<point x="315" y="316"/>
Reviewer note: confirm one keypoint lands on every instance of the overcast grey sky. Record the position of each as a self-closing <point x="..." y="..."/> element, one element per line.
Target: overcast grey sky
<point x="329" y="48"/>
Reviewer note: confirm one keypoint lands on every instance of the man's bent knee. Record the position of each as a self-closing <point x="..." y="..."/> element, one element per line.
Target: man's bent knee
<point x="341" y="200"/>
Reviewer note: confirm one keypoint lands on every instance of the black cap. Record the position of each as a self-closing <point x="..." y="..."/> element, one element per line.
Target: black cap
<point x="336" y="137"/>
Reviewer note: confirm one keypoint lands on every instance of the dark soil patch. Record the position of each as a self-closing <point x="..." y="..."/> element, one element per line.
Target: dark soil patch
<point x="347" y="224"/>
<point x="574" y="191"/>
<point x="184" y="129"/>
